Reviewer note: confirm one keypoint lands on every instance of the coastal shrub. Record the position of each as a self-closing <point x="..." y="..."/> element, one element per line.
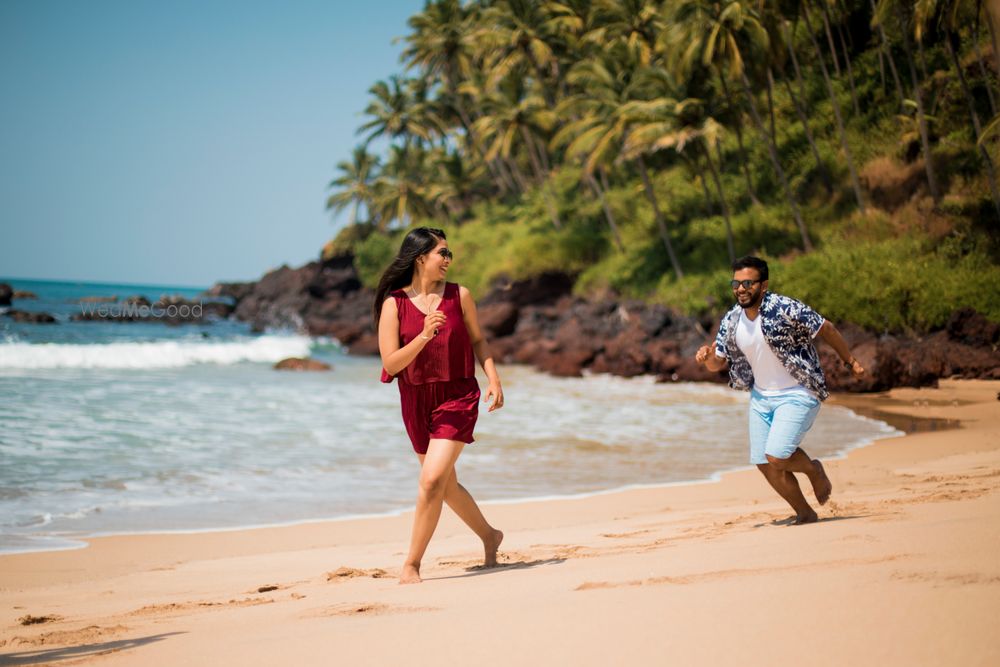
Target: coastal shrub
<point x="898" y="285"/>
<point x="372" y="255"/>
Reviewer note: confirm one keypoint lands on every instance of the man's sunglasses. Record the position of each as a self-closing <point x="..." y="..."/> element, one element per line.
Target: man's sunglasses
<point x="746" y="283"/>
<point x="447" y="254"/>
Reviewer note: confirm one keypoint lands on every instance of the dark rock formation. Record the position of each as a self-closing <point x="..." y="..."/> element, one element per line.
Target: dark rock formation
<point x="539" y="322"/>
<point x="34" y="318"/>
<point x="6" y="294"/>
<point x="301" y="364"/>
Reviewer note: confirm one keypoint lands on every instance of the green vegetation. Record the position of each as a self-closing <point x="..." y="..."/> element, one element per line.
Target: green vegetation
<point x="641" y="145"/>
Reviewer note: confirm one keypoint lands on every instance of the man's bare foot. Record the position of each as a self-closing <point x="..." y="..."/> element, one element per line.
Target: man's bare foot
<point x="492" y="546"/>
<point x="810" y="517"/>
<point x="822" y="486"/>
<point x="410" y="574"/>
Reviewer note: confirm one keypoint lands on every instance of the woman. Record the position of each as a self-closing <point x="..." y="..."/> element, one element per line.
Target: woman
<point x="427" y="334"/>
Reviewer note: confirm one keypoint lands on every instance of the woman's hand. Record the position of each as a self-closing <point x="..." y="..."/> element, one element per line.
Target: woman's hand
<point x="494" y="391"/>
<point x="432" y="323"/>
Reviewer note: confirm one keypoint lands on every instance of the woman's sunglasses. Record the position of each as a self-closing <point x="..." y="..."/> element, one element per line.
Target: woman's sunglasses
<point x="447" y="254"/>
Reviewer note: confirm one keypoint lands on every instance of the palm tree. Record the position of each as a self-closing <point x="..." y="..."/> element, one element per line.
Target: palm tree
<point x="903" y="11"/>
<point x="401" y="109"/>
<point x="633" y="23"/>
<point x="855" y="183"/>
<point x="399" y="193"/>
<point x="515" y="117"/>
<point x="354" y="184"/>
<point x="951" y="13"/>
<point x="440" y="45"/>
<point x="592" y="109"/>
<point x="664" y="123"/>
<point x="516" y="35"/>
<point x="716" y="35"/>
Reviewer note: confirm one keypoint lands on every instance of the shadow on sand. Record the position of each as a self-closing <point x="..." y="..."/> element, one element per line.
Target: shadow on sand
<point x="83" y="651"/>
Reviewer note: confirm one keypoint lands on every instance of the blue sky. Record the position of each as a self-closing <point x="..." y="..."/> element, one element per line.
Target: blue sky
<point x="179" y="142"/>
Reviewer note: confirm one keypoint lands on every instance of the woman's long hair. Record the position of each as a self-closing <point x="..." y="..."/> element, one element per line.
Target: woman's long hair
<point x="419" y="241"/>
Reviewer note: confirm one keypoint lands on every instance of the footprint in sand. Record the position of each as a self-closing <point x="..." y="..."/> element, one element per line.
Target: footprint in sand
<point x="344" y="573"/>
<point x="28" y="619"/>
<point x="367" y="609"/>
<point x="87" y="635"/>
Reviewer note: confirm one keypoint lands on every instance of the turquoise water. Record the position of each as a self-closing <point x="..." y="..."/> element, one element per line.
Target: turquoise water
<point x="126" y="427"/>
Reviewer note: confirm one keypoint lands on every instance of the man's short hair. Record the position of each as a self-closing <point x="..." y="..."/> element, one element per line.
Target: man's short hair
<point x="751" y="262"/>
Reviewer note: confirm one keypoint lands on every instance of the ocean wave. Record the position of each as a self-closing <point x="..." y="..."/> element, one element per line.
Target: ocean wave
<point x="158" y="354"/>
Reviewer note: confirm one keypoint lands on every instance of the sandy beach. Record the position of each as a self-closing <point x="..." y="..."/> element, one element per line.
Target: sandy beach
<point x="902" y="569"/>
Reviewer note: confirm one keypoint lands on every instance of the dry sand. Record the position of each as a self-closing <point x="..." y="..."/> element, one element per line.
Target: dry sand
<point x="903" y="569"/>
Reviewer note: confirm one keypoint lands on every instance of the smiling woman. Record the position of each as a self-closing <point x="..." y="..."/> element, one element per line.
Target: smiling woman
<point x="428" y="332"/>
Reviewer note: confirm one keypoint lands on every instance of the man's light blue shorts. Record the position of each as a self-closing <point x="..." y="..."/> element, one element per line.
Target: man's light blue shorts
<point x="778" y="423"/>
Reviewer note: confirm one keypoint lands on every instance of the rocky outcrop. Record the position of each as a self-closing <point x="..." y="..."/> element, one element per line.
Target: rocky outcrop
<point x="301" y="364"/>
<point x="6" y="294"/>
<point x="32" y="317"/>
<point x="24" y="294"/>
<point x="541" y="323"/>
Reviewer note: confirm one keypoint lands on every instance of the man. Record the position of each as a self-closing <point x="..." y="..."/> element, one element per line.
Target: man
<point x="767" y="340"/>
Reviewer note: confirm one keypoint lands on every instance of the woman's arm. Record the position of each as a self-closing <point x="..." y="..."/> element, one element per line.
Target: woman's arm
<point x="394" y="357"/>
<point x="481" y="348"/>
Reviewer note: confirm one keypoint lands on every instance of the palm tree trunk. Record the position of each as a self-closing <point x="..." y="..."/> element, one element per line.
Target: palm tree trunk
<point x="979" y="59"/>
<point x="773" y="152"/>
<point x="850" y="71"/>
<point x="950" y="39"/>
<point x="522" y="181"/>
<point x="550" y="202"/>
<point x="503" y="181"/>
<point x="743" y="160"/>
<point x="730" y="246"/>
<point x="993" y="22"/>
<point x="829" y="36"/>
<point x="661" y="225"/>
<point x="770" y="102"/>
<point x="596" y="188"/>
<point x="886" y="49"/>
<point x="925" y="142"/>
<point x="804" y="119"/>
<point x="700" y="175"/>
<point x="855" y="184"/>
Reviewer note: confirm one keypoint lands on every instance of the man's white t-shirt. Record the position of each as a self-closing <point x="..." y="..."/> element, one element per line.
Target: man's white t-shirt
<point x="770" y="377"/>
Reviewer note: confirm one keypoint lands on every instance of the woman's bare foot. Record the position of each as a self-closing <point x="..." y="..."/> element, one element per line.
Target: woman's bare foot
<point x="410" y="574"/>
<point x="491" y="546"/>
<point x="822" y="486"/>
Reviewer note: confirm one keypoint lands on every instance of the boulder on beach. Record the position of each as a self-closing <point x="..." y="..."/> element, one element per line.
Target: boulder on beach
<point x="301" y="364"/>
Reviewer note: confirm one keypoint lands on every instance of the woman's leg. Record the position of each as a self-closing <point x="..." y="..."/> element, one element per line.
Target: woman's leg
<point x="464" y="505"/>
<point x="437" y="468"/>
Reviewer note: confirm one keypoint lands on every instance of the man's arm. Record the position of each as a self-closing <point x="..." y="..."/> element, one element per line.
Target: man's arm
<point x="832" y="337"/>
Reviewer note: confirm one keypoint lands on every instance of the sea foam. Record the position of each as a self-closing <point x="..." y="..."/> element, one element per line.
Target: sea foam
<point x="158" y="354"/>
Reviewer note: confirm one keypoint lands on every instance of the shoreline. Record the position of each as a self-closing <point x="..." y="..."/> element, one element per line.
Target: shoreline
<point x="858" y="407"/>
<point x="904" y="558"/>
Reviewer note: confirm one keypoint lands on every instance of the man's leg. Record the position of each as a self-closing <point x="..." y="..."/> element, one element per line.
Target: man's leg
<point x="793" y="416"/>
<point x="812" y="468"/>
<point x="788" y="488"/>
<point x="761" y="418"/>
